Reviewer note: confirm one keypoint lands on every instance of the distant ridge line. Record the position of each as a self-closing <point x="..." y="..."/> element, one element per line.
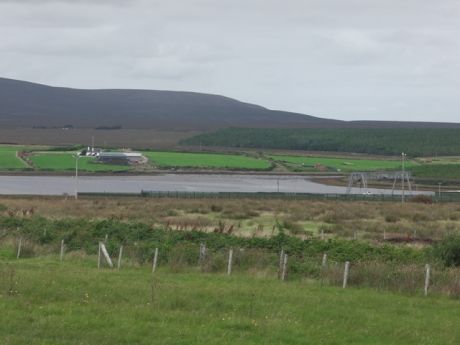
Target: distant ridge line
<point x="27" y="104"/>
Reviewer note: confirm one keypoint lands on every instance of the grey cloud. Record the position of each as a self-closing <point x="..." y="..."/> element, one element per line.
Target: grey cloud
<point x="354" y="59"/>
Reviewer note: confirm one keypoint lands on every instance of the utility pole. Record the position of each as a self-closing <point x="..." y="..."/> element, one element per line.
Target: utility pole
<point x="403" y="176"/>
<point x="439" y="191"/>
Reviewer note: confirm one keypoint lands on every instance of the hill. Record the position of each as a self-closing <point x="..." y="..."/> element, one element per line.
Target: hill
<point x="26" y="105"/>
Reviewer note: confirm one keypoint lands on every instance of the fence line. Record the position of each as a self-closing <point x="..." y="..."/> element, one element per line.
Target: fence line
<point x="411" y="278"/>
<point x="444" y="197"/>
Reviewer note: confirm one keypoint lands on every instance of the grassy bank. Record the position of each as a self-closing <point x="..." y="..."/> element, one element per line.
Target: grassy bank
<point x="46" y="302"/>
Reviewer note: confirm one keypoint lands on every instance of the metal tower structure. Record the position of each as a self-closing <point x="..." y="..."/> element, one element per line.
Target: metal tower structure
<point x="359" y="178"/>
<point x="404" y="177"/>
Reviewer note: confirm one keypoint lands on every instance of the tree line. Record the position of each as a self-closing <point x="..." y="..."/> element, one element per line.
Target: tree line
<point x="388" y="141"/>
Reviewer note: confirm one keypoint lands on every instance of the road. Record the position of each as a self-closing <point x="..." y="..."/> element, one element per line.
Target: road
<point x="59" y="185"/>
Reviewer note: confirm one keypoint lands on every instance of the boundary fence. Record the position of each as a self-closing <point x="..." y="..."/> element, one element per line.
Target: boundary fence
<point x="443" y="197"/>
<point x="407" y="278"/>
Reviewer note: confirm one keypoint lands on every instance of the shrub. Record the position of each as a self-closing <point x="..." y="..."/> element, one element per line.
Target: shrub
<point x="423" y="199"/>
<point x="391" y="218"/>
<point x="448" y="250"/>
<point x="216" y="208"/>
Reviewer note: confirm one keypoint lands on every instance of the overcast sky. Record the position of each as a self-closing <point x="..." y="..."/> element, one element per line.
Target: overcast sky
<point x="344" y="59"/>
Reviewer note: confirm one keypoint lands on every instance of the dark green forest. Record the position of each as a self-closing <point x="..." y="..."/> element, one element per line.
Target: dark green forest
<point x="387" y="141"/>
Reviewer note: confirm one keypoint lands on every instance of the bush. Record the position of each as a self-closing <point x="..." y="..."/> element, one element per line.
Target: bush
<point x="391" y="218"/>
<point x="448" y="251"/>
<point x="216" y="208"/>
<point x="422" y="199"/>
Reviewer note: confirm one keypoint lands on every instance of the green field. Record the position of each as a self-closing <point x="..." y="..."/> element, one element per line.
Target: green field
<point x="47" y="302"/>
<point x="39" y="158"/>
<point x="9" y="159"/>
<point x="340" y="164"/>
<point x="440" y="171"/>
<point x="206" y="160"/>
<point x="59" y="161"/>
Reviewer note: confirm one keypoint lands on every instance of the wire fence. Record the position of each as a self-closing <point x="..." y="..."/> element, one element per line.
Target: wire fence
<point x="404" y="278"/>
<point x="438" y="197"/>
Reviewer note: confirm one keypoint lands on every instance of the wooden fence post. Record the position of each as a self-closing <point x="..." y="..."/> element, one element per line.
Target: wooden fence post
<point x="284" y="271"/>
<point x="106" y="238"/>
<point x="19" y="248"/>
<point x="61" y="256"/>
<point x="324" y="262"/>
<point x="280" y="266"/>
<point x="202" y="252"/>
<point x="230" y="259"/>
<point x="427" y="278"/>
<point x="345" y="274"/>
<point x="99" y="256"/>
<point x="120" y="254"/>
<point x="106" y="254"/>
<point x="155" y="260"/>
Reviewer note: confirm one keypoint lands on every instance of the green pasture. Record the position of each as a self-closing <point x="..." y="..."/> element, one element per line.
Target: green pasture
<point x="340" y="164"/>
<point x="60" y="161"/>
<point x="44" y="301"/>
<point x="41" y="159"/>
<point x="440" y="171"/>
<point x="9" y="159"/>
<point x="206" y="160"/>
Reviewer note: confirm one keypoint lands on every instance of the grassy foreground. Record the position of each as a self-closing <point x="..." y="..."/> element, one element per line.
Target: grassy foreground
<point x="47" y="302"/>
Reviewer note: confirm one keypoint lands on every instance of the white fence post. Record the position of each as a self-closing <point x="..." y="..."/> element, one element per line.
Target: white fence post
<point x="324" y="261"/>
<point x="427" y="278"/>
<point x="106" y="255"/>
<point x="284" y="271"/>
<point x="280" y="266"/>
<point x="61" y="256"/>
<point x="155" y="260"/>
<point x="19" y="248"/>
<point x="345" y="274"/>
<point x="120" y="254"/>
<point x="99" y="256"/>
<point x="202" y="251"/>
<point x="230" y="259"/>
